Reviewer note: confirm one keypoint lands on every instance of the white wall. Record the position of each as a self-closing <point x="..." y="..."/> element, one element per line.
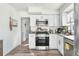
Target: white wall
<point x="10" y="38"/>
<point x="23" y="13"/>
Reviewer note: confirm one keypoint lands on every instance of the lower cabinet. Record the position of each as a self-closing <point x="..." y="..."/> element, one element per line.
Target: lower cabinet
<point x="31" y="41"/>
<point x="60" y="44"/>
<point x="53" y="42"/>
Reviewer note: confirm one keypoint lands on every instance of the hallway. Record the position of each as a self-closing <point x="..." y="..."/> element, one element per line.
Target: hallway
<point x="25" y="51"/>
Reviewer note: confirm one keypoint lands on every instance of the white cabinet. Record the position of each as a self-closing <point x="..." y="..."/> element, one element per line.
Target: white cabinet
<point x="56" y="20"/>
<point x="45" y="17"/>
<point x="53" y="42"/>
<point x="51" y="20"/>
<point x="60" y="44"/>
<point x="37" y="17"/>
<point x="42" y="17"/>
<point x="32" y="20"/>
<point x="31" y="41"/>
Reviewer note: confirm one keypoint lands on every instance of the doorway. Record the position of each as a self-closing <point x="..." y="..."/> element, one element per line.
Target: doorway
<point x="25" y="29"/>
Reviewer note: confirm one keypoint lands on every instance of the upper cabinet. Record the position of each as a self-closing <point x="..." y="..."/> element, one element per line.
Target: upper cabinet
<point x="53" y="20"/>
<point x="56" y="20"/>
<point x="45" y="17"/>
<point x="32" y="20"/>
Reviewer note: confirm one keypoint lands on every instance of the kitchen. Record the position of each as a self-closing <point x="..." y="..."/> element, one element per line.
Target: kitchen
<point x="47" y="33"/>
<point x="45" y="29"/>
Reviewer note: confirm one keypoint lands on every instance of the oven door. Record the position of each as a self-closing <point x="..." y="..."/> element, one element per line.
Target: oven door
<point x="42" y="41"/>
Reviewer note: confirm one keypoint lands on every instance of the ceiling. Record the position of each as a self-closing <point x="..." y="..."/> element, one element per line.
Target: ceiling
<point x="24" y="6"/>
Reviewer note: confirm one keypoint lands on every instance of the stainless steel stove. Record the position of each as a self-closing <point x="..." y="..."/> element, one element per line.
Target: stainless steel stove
<point x="42" y="41"/>
<point x="42" y="35"/>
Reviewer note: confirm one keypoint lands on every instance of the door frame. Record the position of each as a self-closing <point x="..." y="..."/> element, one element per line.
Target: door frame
<point x="23" y="18"/>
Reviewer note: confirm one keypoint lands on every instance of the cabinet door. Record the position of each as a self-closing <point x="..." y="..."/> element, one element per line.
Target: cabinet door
<point x="56" y="20"/>
<point x="32" y="20"/>
<point x="45" y="17"/>
<point x="37" y="17"/>
<point x="61" y="45"/>
<point x="32" y="41"/>
<point x="51" y="20"/>
<point x="52" y="42"/>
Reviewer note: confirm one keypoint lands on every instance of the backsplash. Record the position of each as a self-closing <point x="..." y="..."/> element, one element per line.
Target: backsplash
<point x="51" y="29"/>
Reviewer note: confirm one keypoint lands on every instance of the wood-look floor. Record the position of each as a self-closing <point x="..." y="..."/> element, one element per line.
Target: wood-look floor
<point x="24" y="50"/>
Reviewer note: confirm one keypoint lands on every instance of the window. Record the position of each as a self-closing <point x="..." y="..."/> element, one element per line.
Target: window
<point x="71" y="22"/>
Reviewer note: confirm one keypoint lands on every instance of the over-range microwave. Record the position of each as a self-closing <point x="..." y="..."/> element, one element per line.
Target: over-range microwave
<point x="41" y="23"/>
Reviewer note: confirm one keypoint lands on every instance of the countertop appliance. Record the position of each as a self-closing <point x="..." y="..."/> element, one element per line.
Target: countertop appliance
<point x="59" y="30"/>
